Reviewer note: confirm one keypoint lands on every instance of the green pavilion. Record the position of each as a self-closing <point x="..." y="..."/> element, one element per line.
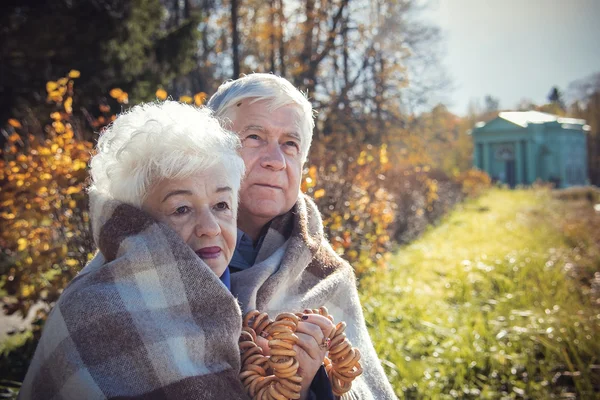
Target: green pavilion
<point x="521" y="147"/>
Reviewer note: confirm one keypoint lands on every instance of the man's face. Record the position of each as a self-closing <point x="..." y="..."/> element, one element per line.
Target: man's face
<point x="271" y="143"/>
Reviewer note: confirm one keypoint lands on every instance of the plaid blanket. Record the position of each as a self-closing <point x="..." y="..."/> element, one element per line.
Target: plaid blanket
<point x="145" y="319"/>
<point x="296" y="268"/>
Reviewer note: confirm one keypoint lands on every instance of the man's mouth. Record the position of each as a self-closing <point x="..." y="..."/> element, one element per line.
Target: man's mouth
<point x="209" y="252"/>
<point x="266" y="185"/>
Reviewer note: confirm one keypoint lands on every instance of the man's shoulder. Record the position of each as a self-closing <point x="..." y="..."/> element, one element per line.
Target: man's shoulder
<point x="326" y="262"/>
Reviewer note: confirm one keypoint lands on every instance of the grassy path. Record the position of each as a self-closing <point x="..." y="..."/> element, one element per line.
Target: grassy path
<point x="482" y="306"/>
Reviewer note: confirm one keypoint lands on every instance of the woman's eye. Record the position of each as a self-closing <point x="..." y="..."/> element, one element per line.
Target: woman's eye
<point x="253" y="137"/>
<point x="181" y="210"/>
<point x="292" y="144"/>
<point x="222" y="206"/>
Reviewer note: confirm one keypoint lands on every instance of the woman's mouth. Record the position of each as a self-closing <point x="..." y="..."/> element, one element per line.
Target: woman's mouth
<point x="209" y="252"/>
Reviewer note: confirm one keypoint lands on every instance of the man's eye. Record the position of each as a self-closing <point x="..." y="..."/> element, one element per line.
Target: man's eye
<point x="292" y="144"/>
<point x="253" y="137"/>
<point x="181" y="210"/>
<point x="222" y="206"/>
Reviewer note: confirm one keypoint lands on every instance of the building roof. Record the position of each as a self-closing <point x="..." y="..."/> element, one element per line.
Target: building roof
<point x="524" y="118"/>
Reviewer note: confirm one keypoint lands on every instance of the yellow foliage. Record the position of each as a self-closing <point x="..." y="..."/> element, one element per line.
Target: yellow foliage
<point x="74" y="74"/>
<point x="22" y="244"/>
<point x="51" y="86"/>
<point x="474" y="182"/>
<point x="319" y="193"/>
<point x="55" y="95"/>
<point x="71" y="262"/>
<point x="68" y="104"/>
<point x="383" y="158"/>
<point x="42" y="173"/>
<point x="199" y="98"/>
<point x="186" y="99"/>
<point x="358" y="210"/>
<point x="73" y="189"/>
<point x="161" y="94"/>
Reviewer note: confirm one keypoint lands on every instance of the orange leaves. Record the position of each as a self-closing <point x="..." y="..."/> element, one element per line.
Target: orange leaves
<point x="119" y="95"/>
<point x="357" y="209"/>
<point x="186" y="99"/>
<point x="161" y="94"/>
<point x="56" y="90"/>
<point x="474" y="182"/>
<point x="199" y="98"/>
<point x="310" y="179"/>
<point x="115" y="93"/>
<point x="14" y="138"/>
<point x="42" y="202"/>
<point x="62" y="87"/>
<point x="14" y="123"/>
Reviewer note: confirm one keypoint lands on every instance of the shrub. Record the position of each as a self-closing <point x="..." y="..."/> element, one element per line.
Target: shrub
<point x="474" y="182"/>
<point x="347" y="183"/>
<point x="45" y="237"/>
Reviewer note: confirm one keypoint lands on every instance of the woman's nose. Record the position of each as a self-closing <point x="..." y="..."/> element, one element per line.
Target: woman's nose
<point x="206" y="225"/>
<point x="273" y="157"/>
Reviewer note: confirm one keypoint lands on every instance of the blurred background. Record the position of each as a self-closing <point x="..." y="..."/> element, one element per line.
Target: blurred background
<point x="455" y="160"/>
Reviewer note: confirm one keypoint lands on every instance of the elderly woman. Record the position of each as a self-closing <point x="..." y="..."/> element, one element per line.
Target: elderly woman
<point x="151" y="316"/>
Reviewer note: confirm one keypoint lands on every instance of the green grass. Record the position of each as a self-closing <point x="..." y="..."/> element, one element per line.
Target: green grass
<point x="481" y="306"/>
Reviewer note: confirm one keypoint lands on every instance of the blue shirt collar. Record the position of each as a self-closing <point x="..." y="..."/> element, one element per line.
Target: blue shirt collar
<point x="225" y="278"/>
<point x="245" y="252"/>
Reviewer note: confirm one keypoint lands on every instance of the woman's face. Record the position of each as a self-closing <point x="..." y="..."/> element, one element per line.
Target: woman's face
<point x="202" y="210"/>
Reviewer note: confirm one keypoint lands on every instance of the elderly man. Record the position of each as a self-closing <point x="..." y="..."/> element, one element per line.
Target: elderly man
<point x="282" y="261"/>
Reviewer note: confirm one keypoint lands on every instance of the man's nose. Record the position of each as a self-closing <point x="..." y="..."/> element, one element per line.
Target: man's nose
<point x="206" y="224"/>
<point x="273" y="158"/>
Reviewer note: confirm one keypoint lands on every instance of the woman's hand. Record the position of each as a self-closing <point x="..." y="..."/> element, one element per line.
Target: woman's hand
<point x="313" y="330"/>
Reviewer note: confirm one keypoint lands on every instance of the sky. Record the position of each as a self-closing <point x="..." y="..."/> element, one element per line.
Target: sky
<point x="516" y="49"/>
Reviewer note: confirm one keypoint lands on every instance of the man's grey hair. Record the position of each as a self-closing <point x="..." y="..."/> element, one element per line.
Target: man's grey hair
<point x="276" y="91"/>
<point x="162" y="140"/>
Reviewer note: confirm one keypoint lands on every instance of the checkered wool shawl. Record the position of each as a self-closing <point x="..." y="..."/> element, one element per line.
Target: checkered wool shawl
<point x="148" y="319"/>
<point x="295" y="269"/>
<point x="145" y="319"/>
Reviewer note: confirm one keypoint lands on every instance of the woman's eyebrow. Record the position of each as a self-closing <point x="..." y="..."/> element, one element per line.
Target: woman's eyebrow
<point x="224" y="189"/>
<point x="176" y="192"/>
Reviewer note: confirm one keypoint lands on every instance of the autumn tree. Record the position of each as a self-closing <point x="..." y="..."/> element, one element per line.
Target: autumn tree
<point x="586" y="93"/>
<point x="135" y="45"/>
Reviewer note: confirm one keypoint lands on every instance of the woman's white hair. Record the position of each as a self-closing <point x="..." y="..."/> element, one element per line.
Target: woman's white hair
<point x="162" y="140"/>
<point x="276" y="91"/>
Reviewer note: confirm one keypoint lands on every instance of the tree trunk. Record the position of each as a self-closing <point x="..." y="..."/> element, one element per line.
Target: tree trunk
<point x="282" y="61"/>
<point x="235" y="39"/>
<point x="272" y="35"/>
